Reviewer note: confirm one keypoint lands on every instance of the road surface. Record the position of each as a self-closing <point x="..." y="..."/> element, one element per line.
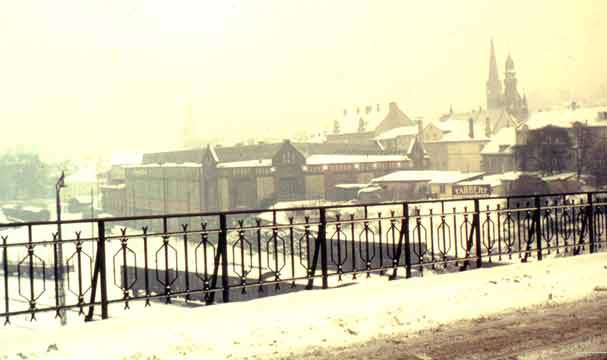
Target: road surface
<point x="566" y="331"/>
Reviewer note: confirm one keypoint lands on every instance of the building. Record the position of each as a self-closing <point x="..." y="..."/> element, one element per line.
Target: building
<point x="152" y="189"/>
<point x="406" y="140"/>
<point x="454" y="142"/>
<point x="411" y="185"/>
<point x="509" y="99"/>
<point x="567" y="139"/>
<point x="112" y="183"/>
<point x="497" y="156"/>
<point x="291" y="171"/>
<point x="251" y="176"/>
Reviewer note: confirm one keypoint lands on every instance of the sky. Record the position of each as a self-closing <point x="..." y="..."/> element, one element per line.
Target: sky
<point x="81" y="78"/>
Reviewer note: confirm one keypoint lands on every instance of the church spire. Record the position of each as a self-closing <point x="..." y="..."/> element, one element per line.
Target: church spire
<point x="494" y="87"/>
<point x="493" y="73"/>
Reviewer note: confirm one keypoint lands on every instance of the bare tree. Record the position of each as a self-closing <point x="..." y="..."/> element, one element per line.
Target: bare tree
<point x="584" y="143"/>
<point x="547" y="150"/>
<point x="597" y="161"/>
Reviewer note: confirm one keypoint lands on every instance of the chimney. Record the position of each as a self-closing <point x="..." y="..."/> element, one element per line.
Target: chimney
<point x="487" y="127"/>
<point x="573" y="105"/>
<point x="420" y="128"/>
<point x="345" y="112"/>
<point x="471" y="128"/>
<point x="368" y="109"/>
<point x="357" y="111"/>
<point x="377" y="107"/>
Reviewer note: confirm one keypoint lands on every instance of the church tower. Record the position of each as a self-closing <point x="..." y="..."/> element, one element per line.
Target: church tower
<point x="494" y="86"/>
<point x="513" y="102"/>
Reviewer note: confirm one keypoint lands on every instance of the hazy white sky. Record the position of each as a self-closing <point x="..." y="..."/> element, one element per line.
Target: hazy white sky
<point x="80" y="77"/>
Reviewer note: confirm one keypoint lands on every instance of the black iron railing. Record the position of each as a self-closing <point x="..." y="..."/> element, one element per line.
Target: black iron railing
<point x="190" y="258"/>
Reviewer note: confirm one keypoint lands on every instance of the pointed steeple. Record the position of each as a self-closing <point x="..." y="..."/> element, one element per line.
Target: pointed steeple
<point x="493" y="72"/>
<point x="494" y="86"/>
<point x="509" y="64"/>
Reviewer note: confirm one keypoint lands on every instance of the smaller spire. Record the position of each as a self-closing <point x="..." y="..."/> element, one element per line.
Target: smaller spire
<point x="509" y="63"/>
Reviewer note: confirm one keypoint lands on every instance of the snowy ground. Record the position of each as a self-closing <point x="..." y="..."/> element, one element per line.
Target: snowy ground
<point x="291" y="323"/>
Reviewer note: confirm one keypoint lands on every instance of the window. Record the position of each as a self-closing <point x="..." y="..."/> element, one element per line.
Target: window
<point x="287" y="157"/>
<point x="442" y="188"/>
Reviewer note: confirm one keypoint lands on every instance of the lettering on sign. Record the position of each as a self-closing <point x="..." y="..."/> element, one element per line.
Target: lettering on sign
<point x="468" y="190"/>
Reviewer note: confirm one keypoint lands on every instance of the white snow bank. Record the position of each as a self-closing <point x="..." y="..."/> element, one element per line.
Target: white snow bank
<point x="284" y="324"/>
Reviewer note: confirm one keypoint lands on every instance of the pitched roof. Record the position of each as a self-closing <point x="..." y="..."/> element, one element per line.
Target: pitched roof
<point x="458" y="129"/>
<point x="245" y="152"/>
<point x="498" y="118"/>
<point x="378" y="118"/>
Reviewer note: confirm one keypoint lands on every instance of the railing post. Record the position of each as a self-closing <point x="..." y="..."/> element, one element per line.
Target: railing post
<point x="590" y="216"/>
<point x="477" y="235"/>
<point x="322" y="237"/>
<point x="537" y="218"/>
<point x="102" y="270"/>
<point x="5" y="273"/>
<point x="223" y="249"/>
<point x="407" y="241"/>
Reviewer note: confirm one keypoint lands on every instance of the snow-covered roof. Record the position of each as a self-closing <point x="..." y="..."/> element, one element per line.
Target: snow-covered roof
<point x="430" y="176"/>
<point x="109" y="186"/>
<point x="32" y="208"/>
<point x="351" y="186"/>
<point x="320" y="159"/>
<point x="457" y="130"/>
<point x="369" y="189"/>
<point x="376" y="117"/>
<point x="245" y="163"/>
<point x="454" y="177"/>
<point x="396" y="132"/>
<point x="501" y="143"/>
<point x="561" y="177"/>
<point x="567" y="117"/>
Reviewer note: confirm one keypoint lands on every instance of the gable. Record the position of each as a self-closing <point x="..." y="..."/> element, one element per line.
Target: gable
<point x="288" y="155"/>
<point x="394" y="119"/>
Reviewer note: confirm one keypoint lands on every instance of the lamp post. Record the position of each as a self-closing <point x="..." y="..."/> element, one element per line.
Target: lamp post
<point x="60" y="284"/>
